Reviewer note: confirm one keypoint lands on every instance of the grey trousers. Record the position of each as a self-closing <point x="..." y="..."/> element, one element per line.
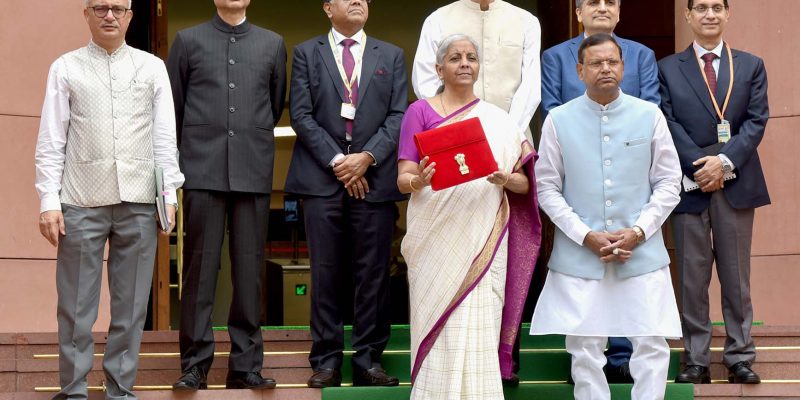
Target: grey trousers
<point x="721" y="235"/>
<point x="130" y="230"/>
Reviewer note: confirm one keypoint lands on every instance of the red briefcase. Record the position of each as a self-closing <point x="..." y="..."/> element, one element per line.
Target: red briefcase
<point x="460" y="151"/>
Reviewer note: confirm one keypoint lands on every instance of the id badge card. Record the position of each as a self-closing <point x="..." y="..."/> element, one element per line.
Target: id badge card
<point x="348" y="111"/>
<point x="724" y="131"/>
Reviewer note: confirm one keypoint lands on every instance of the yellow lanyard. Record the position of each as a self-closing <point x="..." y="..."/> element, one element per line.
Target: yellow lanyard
<point x="348" y="83"/>
<point x="720" y="113"/>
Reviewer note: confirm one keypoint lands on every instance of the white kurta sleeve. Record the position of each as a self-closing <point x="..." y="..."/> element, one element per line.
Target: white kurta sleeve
<point x="550" y="184"/>
<point x="665" y="180"/>
<point x="165" y="151"/>
<point x="424" y="78"/>
<point x="52" y="142"/>
<point x="529" y="92"/>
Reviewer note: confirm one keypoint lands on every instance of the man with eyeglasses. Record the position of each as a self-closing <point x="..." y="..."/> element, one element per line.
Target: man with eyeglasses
<point x="229" y="83"/>
<point x="347" y="99"/>
<point x="715" y="101"/>
<point x="107" y="124"/>
<point x="560" y="84"/>
<point x="608" y="177"/>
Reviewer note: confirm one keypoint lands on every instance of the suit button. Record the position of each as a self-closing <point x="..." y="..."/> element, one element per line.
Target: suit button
<point x="231" y="61"/>
<point x="233" y="40"/>
<point x="232" y="85"/>
<point x="230" y="133"/>
<point x="232" y="109"/>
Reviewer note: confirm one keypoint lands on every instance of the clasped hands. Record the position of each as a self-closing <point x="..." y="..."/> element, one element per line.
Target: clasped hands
<point x="612" y="246"/>
<point x="350" y="171"/>
<point x="710" y="176"/>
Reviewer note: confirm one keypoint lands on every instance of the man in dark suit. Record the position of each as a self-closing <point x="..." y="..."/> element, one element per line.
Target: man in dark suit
<point x="715" y="136"/>
<point x="560" y="84"/>
<point x="229" y="84"/>
<point x="347" y="99"/>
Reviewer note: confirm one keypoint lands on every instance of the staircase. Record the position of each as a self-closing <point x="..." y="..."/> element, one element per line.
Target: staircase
<point x="29" y="369"/>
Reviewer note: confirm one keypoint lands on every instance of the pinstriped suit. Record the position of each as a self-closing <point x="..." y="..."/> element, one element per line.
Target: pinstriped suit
<point x="229" y="85"/>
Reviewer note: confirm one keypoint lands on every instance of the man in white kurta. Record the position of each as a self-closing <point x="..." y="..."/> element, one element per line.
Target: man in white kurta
<point x="509" y="39"/>
<point x="608" y="177"/>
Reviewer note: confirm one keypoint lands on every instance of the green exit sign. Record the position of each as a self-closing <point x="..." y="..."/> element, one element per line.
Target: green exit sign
<point x="300" y="290"/>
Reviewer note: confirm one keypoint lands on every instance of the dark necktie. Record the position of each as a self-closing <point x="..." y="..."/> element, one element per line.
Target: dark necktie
<point x="709" y="70"/>
<point x="349" y="64"/>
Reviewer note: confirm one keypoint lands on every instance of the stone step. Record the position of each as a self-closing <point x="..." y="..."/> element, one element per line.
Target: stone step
<point x="276" y="394"/>
<point x="766" y="390"/>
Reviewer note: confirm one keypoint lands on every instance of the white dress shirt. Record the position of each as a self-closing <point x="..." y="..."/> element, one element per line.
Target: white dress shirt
<point x="52" y="142"/>
<point x="550" y="179"/>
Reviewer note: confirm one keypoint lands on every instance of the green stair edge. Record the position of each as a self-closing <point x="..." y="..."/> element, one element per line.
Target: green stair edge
<point x="549" y="391"/>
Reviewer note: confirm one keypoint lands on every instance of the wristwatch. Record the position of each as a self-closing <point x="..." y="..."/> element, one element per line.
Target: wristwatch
<point x="639" y="234"/>
<point x="726" y="166"/>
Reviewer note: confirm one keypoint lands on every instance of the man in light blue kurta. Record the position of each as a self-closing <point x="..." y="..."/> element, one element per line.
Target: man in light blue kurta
<point x="608" y="177"/>
<point x="560" y="84"/>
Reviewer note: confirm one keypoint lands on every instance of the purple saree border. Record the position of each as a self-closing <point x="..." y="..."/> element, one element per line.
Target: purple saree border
<point x="524" y="241"/>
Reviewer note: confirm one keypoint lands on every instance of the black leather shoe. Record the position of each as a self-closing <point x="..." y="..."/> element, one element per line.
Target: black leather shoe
<point x="373" y="377"/>
<point x="192" y="379"/>
<point x="694" y="374"/>
<point x="248" y="380"/>
<point x="742" y="373"/>
<point x="325" y="377"/>
<point x="511" y="382"/>
<point x="621" y="374"/>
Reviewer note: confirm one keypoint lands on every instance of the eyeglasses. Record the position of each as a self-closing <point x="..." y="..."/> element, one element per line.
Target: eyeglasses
<point x="703" y="9"/>
<point x="598" y="64"/>
<point x="117" y="11"/>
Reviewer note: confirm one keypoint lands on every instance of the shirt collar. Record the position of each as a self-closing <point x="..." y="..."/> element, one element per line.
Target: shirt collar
<point x="476" y="6"/>
<point x="610" y="106"/>
<point x="96" y="50"/>
<point x="338" y="37"/>
<point x="702" y="51"/>
<point x="223" y="26"/>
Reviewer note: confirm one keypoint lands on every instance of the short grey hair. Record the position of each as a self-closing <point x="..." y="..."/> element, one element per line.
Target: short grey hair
<point x="445" y="44"/>
<point x="579" y="3"/>
<point x="86" y="3"/>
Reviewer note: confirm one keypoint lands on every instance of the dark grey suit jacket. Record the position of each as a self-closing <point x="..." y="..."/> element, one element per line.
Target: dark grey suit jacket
<point x="229" y="87"/>
<point x="316" y="97"/>
<point x="692" y="121"/>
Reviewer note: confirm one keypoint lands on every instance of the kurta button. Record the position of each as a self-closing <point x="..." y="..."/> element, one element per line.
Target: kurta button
<point x="609" y="223"/>
<point x="113" y="77"/>
<point x="232" y="85"/>
<point x="232" y="109"/>
<point x="608" y="182"/>
<point x="606" y="139"/>
<point x="607" y="163"/>
<point x="231" y="61"/>
<point x="605" y="118"/>
<point x="230" y="133"/>
<point x="233" y="40"/>
<point x="609" y="203"/>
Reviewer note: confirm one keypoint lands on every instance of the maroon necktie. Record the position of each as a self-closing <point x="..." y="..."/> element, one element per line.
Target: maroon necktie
<point x="349" y="64"/>
<point x="709" y="70"/>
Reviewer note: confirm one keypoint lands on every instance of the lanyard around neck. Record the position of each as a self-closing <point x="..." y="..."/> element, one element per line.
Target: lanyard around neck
<point x="348" y="83"/>
<point x="720" y="112"/>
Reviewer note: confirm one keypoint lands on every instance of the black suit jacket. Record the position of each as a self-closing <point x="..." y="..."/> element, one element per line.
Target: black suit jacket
<point x="229" y="88"/>
<point x="692" y="120"/>
<point x="316" y="97"/>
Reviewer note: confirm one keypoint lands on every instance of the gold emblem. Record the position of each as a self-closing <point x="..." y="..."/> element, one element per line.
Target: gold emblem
<point x="461" y="159"/>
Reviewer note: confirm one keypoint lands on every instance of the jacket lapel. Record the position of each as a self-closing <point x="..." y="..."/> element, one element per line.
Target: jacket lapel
<point x="326" y="54"/>
<point x="368" y="65"/>
<point x="723" y="78"/>
<point x="574" y="44"/>
<point x="691" y="71"/>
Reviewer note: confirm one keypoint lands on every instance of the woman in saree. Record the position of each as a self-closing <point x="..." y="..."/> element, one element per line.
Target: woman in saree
<point x="470" y="249"/>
